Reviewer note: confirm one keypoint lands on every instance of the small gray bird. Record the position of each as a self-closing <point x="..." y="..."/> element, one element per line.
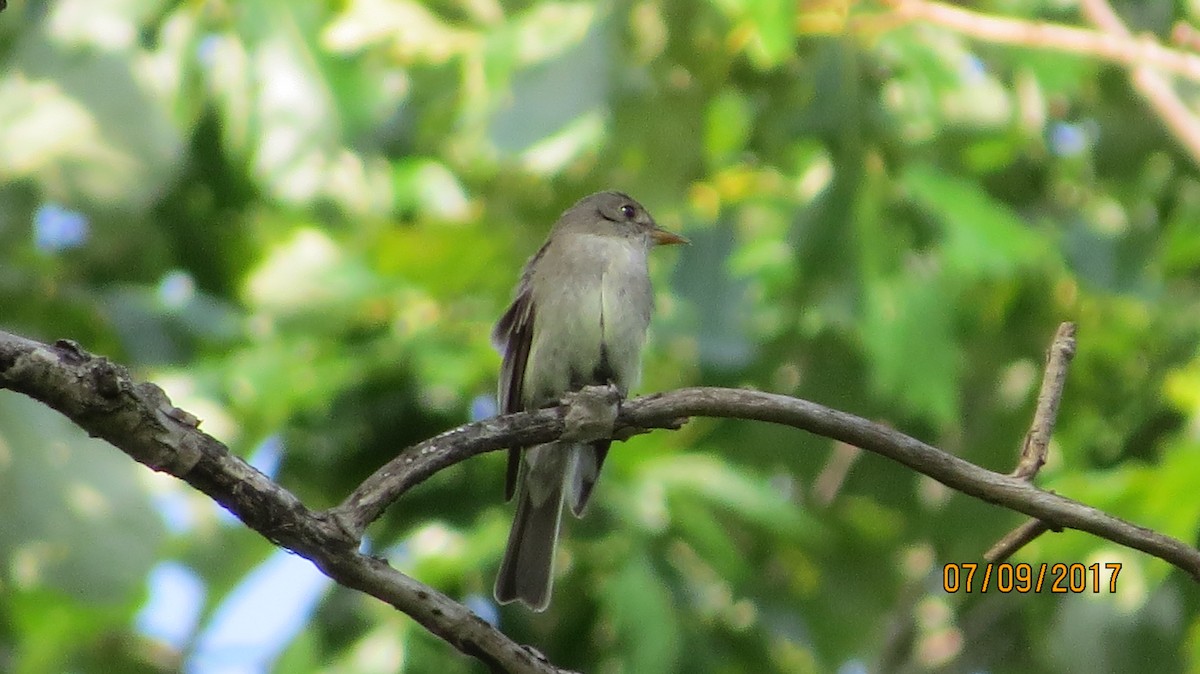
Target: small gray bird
<point x="579" y="319"/>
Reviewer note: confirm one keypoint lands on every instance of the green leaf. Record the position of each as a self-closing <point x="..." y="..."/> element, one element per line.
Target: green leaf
<point x="1159" y="496"/>
<point x="549" y="29"/>
<point x="765" y="27"/>
<point x="908" y="335"/>
<point x="76" y="520"/>
<point x="85" y="129"/>
<point x="774" y="38"/>
<point x="43" y="622"/>
<point x="644" y="618"/>
<point x="727" y="125"/>
<point x="747" y="496"/>
<point x="982" y="236"/>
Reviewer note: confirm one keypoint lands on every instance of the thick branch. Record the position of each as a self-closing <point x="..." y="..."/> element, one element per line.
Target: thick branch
<point x="137" y="418"/>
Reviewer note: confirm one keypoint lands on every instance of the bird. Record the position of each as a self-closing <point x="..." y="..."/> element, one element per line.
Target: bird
<point x="579" y="318"/>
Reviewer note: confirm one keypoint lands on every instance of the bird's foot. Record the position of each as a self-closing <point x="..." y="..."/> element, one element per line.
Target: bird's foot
<point x="591" y="413"/>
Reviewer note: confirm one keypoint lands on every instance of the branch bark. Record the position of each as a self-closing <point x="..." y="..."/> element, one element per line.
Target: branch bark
<point x="103" y="399"/>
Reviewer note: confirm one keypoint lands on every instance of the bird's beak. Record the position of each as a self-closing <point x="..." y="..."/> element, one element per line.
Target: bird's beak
<point x="662" y="237"/>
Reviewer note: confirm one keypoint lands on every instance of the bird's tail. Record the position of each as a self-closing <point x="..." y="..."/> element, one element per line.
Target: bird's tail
<point x="527" y="572"/>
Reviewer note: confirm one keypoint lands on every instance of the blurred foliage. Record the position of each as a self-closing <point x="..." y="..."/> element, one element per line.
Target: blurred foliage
<point x="302" y="218"/>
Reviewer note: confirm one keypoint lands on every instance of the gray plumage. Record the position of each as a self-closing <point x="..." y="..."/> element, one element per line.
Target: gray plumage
<point x="579" y="318"/>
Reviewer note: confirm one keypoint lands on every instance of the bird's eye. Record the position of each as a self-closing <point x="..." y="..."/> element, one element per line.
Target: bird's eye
<point x="628" y="211"/>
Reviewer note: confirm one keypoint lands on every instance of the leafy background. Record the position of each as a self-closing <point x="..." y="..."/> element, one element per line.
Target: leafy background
<point x="301" y="219"/>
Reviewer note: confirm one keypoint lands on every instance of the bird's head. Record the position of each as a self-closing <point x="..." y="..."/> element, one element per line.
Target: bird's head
<point x="618" y="214"/>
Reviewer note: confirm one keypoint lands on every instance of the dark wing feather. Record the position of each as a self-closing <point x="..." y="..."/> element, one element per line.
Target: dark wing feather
<point x="513" y="337"/>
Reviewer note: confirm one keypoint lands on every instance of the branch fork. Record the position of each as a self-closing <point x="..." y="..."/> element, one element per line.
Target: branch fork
<point x="1037" y="440"/>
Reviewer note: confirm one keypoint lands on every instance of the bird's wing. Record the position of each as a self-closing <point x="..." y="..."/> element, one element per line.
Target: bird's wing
<point x="513" y="337"/>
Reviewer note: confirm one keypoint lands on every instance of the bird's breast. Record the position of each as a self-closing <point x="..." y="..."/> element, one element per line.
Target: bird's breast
<point x="590" y="320"/>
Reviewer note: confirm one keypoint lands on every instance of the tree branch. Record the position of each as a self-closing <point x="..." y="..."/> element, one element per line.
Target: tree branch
<point x="1146" y="59"/>
<point x="1023" y="535"/>
<point x="137" y="418"/>
<point x="1148" y="82"/>
<point x="664" y="410"/>
<point x="1120" y="49"/>
<point x="1037" y="440"/>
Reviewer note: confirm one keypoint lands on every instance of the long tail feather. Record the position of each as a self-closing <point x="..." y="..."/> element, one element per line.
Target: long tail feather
<point x="527" y="572"/>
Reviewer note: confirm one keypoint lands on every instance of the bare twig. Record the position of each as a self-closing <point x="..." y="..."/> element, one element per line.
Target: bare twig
<point x="1037" y="440"/>
<point x="833" y="474"/>
<point x="1058" y="357"/>
<point x="1016" y="539"/>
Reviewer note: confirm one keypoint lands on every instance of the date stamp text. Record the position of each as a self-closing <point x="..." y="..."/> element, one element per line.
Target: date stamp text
<point x="1057" y="578"/>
